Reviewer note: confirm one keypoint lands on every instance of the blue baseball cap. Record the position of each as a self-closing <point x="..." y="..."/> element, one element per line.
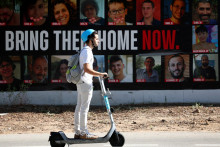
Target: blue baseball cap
<point x="86" y="33"/>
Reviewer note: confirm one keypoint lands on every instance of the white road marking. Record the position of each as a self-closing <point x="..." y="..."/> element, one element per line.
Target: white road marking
<point x="208" y="145"/>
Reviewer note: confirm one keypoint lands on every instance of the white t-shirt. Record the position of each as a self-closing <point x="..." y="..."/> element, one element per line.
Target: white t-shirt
<point x="86" y="56"/>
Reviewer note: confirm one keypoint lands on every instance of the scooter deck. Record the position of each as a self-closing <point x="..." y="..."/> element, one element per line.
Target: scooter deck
<point x="82" y="141"/>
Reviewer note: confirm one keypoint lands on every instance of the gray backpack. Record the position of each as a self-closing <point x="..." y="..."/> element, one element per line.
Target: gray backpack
<point x="73" y="74"/>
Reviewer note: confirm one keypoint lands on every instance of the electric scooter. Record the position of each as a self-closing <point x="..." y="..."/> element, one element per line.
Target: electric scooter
<point x="59" y="139"/>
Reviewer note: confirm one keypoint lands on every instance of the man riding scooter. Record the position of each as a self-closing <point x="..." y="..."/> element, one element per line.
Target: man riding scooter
<point x="85" y="86"/>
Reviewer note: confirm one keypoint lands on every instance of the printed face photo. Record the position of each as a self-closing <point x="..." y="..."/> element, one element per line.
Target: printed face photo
<point x="6" y="69"/>
<point x="202" y="36"/>
<point x="205" y="67"/>
<point x="117" y="67"/>
<point x="120" y="68"/>
<point x="148" y="68"/>
<point x="36" y="69"/>
<point x="5" y="15"/>
<point x="205" y="12"/>
<point x="178" y="9"/>
<point x="177" y="12"/>
<point x="117" y="12"/>
<point x="59" y="67"/>
<point x="147" y="10"/>
<point x="121" y="12"/>
<point x="177" y="68"/>
<point x="92" y="12"/>
<point x="35" y="13"/>
<point x="61" y="14"/>
<point x="9" y="13"/>
<point x="39" y="69"/>
<point x="10" y="69"/>
<point x="205" y="39"/>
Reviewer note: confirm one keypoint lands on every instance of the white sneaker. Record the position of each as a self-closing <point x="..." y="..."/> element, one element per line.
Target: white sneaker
<point x="88" y="136"/>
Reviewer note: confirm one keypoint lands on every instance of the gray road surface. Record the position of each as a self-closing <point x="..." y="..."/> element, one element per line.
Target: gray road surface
<point x="132" y="139"/>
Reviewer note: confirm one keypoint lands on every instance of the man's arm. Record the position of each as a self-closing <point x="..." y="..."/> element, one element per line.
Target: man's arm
<point x="90" y="71"/>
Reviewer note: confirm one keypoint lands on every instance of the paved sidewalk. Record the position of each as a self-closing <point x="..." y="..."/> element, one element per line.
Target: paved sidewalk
<point x="132" y="139"/>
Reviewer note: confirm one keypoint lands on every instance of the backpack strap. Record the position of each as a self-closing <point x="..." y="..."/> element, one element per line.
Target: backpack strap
<point x="79" y="61"/>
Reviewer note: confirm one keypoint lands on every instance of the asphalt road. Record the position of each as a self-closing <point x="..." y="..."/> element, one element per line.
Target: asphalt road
<point x="132" y="139"/>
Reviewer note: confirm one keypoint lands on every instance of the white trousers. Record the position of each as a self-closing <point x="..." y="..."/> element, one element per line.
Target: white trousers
<point x="85" y="92"/>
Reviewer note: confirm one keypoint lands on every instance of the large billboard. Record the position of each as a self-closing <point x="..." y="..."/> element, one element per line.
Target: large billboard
<point x="144" y="44"/>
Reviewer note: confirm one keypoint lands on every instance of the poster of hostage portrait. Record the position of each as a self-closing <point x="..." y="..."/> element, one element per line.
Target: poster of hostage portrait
<point x="63" y="12"/>
<point x="205" y="67"/>
<point x="120" y="68"/>
<point x="10" y="12"/>
<point x="148" y="68"/>
<point x="59" y="66"/>
<point x="36" y="69"/>
<point x="121" y="12"/>
<point x="10" y="72"/>
<point x="205" y="38"/>
<point x="205" y="12"/>
<point x="177" y="68"/>
<point x="148" y="12"/>
<point x="177" y="12"/>
<point x="35" y="12"/>
<point x="92" y="12"/>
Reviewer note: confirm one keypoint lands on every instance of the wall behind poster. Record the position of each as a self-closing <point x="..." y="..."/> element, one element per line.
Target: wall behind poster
<point x="53" y="42"/>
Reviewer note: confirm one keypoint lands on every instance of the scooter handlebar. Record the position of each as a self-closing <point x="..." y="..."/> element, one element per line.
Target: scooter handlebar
<point x="105" y="76"/>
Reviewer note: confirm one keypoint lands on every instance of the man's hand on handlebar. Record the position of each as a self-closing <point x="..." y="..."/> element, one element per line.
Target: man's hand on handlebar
<point x="104" y="75"/>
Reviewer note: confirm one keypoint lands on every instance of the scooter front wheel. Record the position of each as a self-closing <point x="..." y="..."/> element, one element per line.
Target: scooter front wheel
<point x="117" y="139"/>
<point x="53" y="138"/>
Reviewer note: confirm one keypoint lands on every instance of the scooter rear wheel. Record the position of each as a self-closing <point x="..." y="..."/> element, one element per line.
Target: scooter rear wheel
<point x="54" y="138"/>
<point x="114" y="141"/>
